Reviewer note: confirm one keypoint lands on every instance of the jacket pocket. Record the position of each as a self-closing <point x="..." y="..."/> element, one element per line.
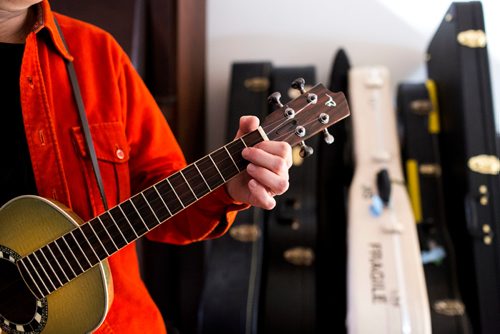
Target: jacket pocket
<point x="113" y="154"/>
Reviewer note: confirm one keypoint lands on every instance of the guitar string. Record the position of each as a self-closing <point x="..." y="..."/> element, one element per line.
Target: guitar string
<point x="224" y="161"/>
<point x="158" y="200"/>
<point x="289" y="120"/>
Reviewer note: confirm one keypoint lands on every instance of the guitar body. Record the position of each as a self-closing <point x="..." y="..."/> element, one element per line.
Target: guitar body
<point x="386" y="285"/>
<point x="27" y="223"/>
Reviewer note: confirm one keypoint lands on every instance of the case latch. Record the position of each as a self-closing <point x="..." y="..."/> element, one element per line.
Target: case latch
<point x="472" y="38"/>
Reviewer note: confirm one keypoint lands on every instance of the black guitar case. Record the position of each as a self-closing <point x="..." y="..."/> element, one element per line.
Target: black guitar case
<point x="231" y="286"/>
<point x="335" y="169"/>
<point x="458" y="63"/>
<point x="289" y="281"/>
<point x="417" y="108"/>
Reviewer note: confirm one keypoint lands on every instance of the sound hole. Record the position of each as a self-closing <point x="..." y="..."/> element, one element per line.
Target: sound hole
<point x="17" y="303"/>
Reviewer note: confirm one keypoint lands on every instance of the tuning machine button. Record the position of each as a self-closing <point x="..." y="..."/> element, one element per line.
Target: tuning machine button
<point x="305" y="150"/>
<point x="275" y="98"/>
<point x="299" y="84"/>
<point x="324" y="118"/>
<point x="329" y="139"/>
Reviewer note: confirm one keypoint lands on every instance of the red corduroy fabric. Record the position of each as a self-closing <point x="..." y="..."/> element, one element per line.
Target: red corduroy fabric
<point x="133" y="142"/>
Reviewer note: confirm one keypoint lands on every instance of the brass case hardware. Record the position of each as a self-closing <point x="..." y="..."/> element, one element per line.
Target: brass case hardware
<point x="449" y="307"/>
<point x="299" y="256"/>
<point x="245" y="232"/>
<point x="421" y="107"/>
<point x="430" y="169"/>
<point x="257" y="84"/>
<point x="296" y="158"/>
<point x="484" y="164"/>
<point x="472" y="38"/>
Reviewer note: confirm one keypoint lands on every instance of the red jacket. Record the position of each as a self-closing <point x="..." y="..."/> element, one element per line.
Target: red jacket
<point x="133" y="142"/>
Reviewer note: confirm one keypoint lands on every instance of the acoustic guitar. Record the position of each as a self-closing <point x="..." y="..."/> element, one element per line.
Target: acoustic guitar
<point x="54" y="277"/>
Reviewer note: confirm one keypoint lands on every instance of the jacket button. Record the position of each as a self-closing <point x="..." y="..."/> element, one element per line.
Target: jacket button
<point x="119" y="153"/>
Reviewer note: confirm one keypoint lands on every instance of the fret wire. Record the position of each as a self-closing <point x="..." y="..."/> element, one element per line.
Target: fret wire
<point x="118" y="228"/>
<point x="212" y="176"/>
<point x="134" y="217"/>
<point x="58" y="264"/>
<point x="182" y="189"/>
<point x="196" y="181"/>
<point x="113" y="231"/>
<point x="235" y="149"/>
<point x="217" y="167"/>
<point x="128" y="221"/>
<point x="182" y="204"/>
<point x="154" y="186"/>
<point x="77" y="262"/>
<point x="222" y="159"/>
<point x="78" y="245"/>
<point x="133" y="205"/>
<point x="152" y="197"/>
<point x="98" y="239"/>
<point x="178" y="196"/>
<point x="153" y="211"/>
<point x="232" y="159"/>
<point x="43" y="269"/>
<point x="32" y="279"/>
<point x="48" y="262"/>
<point x="88" y="242"/>
<point x="62" y="261"/>
<point x="254" y="141"/>
<point x="180" y="172"/>
<point x="65" y="259"/>
<point x="106" y="230"/>
<point x="202" y="176"/>
<point x="40" y="277"/>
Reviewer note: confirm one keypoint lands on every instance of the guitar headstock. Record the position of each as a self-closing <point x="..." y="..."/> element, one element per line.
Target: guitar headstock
<point x="303" y="117"/>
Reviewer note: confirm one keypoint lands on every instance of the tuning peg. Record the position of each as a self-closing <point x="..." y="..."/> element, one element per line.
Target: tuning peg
<point x="305" y="150"/>
<point x="329" y="139"/>
<point x="274" y="98"/>
<point x="299" y="84"/>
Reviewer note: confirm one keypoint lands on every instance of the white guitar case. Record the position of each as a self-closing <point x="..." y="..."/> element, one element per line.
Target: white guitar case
<point x="386" y="284"/>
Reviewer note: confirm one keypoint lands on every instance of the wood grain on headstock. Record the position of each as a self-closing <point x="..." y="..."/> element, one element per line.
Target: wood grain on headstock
<point x="278" y="127"/>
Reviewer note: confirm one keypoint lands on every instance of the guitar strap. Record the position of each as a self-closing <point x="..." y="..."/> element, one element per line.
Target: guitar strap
<point x="83" y="118"/>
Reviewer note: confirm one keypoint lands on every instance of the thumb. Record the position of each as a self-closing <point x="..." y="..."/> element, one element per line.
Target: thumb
<point x="247" y="124"/>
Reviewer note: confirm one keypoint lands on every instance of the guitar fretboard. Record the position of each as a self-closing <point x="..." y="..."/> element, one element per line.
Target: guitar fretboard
<point x="55" y="264"/>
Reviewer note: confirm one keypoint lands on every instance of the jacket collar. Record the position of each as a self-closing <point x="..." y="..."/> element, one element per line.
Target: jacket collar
<point x="45" y="19"/>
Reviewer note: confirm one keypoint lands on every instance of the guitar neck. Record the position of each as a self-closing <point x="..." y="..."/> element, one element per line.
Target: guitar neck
<point x="84" y="247"/>
<point x="72" y="254"/>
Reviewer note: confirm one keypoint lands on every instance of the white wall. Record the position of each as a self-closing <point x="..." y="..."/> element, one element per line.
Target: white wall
<point x="394" y="33"/>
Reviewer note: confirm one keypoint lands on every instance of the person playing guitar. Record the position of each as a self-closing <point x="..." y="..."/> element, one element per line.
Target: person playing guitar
<point x="45" y="153"/>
